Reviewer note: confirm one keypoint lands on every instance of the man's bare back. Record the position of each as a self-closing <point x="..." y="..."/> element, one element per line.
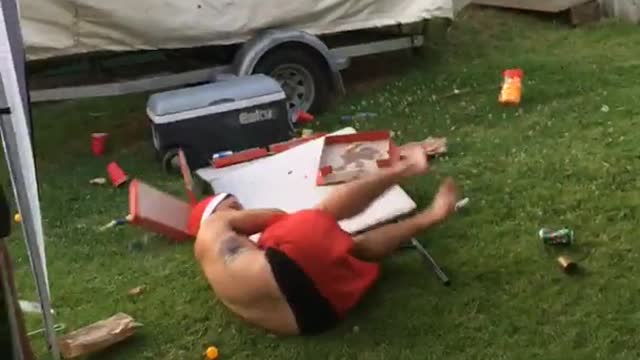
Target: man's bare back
<point x="242" y="276"/>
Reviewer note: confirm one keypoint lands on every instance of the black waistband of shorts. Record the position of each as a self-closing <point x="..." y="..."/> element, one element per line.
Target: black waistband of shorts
<point x="313" y="312"/>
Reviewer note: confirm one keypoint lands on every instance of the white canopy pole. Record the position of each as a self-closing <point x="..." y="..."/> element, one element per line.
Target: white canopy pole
<point x="14" y="128"/>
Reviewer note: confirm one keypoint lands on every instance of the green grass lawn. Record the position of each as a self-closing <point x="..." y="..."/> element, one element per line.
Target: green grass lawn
<point x="558" y="160"/>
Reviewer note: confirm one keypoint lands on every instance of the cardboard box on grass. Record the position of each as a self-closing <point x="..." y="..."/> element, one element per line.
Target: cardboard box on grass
<point x="347" y="157"/>
<point x="160" y="212"/>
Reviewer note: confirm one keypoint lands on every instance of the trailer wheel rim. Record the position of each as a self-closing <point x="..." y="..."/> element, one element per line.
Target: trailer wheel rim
<point x="297" y="83"/>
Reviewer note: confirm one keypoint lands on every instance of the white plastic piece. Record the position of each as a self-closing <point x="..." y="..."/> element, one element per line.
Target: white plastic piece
<point x="462" y="203"/>
<point x="32" y="307"/>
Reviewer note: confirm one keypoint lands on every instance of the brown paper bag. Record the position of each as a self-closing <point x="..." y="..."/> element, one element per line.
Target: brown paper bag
<point x="97" y="336"/>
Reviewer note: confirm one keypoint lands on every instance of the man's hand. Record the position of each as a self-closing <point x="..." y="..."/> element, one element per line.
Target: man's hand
<point x="413" y="161"/>
<point x="444" y="203"/>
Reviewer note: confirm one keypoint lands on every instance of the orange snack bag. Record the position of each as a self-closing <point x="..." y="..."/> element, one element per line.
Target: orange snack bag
<point x="511" y="87"/>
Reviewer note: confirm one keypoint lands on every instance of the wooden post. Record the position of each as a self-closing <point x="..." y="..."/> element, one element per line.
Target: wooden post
<point x="11" y="321"/>
<point x="585" y="13"/>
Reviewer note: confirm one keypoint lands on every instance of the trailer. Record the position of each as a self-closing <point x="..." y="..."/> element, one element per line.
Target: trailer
<point x="304" y="44"/>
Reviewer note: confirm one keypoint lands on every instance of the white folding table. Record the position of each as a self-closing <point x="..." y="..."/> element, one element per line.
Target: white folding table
<point x="287" y="181"/>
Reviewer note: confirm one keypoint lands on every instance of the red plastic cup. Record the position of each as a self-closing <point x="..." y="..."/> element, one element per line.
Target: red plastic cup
<point x="99" y="143"/>
<point x="304" y="117"/>
<point x="116" y="174"/>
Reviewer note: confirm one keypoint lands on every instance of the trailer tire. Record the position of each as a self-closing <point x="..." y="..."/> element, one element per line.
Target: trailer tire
<point x="304" y="77"/>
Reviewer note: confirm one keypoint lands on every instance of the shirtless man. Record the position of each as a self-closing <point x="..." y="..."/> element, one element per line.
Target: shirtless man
<point x="305" y="273"/>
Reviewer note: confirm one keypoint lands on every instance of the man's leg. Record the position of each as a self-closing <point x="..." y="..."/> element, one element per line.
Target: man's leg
<point x="378" y="243"/>
<point x="352" y="198"/>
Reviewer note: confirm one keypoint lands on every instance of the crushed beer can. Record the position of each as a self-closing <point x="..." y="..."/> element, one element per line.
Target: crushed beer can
<point x="564" y="236"/>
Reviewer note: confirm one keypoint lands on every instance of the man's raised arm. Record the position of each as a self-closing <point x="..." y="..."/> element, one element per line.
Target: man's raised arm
<point x="249" y="222"/>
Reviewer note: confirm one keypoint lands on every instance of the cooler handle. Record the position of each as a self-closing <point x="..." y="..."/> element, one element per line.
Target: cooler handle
<point x="221" y="101"/>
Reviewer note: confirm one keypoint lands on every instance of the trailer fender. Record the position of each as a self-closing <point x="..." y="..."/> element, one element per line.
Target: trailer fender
<point x="252" y="51"/>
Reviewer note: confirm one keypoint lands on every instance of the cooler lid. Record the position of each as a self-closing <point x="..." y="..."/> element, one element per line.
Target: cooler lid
<point x="223" y="94"/>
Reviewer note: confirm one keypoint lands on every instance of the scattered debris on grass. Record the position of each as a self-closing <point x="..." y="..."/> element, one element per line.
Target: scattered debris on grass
<point x="564" y="236"/>
<point x="98" y="181"/>
<point x="604" y="108"/>
<point x="511" y="91"/>
<point x="455" y="92"/>
<point x="99" y="143"/>
<point x="116" y="222"/>
<point x="568" y="266"/>
<point x="117" y="176"/>
<point x="137" y="291"/>
<point x="97" y="336"/>
<point x="211" y="353"/>
<point x="561" y="237"/>
<point x="462" y="203"/>
<point x="347" y="157"/>
<point x="359" y="116"/>
<point x="31" y="307"/>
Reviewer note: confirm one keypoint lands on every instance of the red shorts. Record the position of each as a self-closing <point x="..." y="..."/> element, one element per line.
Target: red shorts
<point x="310" y="256"/>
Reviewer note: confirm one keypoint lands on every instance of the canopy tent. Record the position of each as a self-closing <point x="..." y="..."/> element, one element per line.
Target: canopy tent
<point x="16" y="139"/>
<point x="64" y="27"/>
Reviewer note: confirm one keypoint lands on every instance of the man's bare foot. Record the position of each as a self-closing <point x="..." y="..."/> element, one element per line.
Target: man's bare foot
<point x="434" y="146"/>
<point x="444" y="203"/>
<point x="431" y="146"/>
<point x="413" y="161"/>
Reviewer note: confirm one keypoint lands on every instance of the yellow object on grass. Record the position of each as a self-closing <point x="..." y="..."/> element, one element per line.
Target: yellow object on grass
<point x="511" y="92"/>
<point x="212" y="353"/>
<point x="17" y="218"/>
